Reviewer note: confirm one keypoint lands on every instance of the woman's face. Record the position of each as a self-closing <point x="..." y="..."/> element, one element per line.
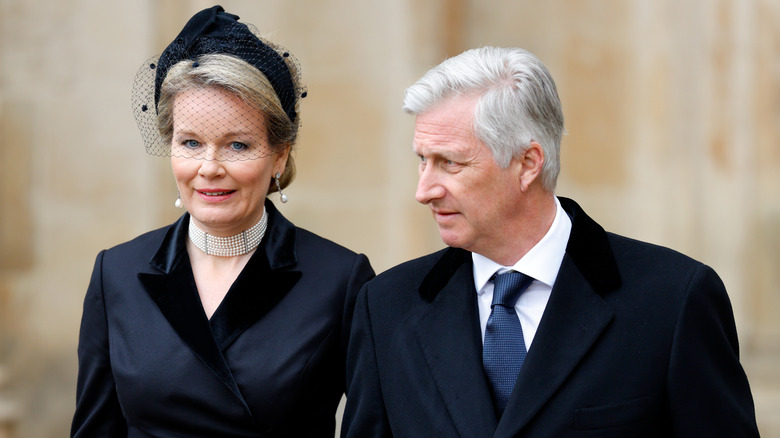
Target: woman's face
<point x="221" y="159"/>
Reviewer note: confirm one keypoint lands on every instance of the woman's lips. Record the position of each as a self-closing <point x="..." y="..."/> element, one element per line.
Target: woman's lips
<point x="215" y="195"/>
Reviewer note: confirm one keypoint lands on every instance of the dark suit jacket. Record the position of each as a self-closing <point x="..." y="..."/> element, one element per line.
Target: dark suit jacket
<point x="270" y="361"/>
<point x="636" y="341"/>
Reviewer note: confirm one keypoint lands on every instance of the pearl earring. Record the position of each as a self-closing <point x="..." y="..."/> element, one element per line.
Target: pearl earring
<point x="282" y="196"/>
<point x="178" y="203"/>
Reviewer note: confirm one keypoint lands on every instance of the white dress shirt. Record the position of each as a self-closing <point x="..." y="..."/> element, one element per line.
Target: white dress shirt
<point x="542" y="263"/>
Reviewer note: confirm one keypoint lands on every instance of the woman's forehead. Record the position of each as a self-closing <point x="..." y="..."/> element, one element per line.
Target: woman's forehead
<point x="204" y="104"/>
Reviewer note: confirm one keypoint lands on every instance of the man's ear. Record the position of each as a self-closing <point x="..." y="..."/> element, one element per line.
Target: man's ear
<point x="530" y="165"/>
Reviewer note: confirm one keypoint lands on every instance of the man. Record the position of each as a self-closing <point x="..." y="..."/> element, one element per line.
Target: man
<point x="609" y="337"/>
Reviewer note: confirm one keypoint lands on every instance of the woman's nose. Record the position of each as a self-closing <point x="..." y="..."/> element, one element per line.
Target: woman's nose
<point x="211" y="163"/>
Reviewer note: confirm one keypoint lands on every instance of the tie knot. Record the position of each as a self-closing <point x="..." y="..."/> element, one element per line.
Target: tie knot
<point x="508" y="287"/>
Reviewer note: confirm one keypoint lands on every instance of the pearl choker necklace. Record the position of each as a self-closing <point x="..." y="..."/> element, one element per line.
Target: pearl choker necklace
<point x="240" y="244"/>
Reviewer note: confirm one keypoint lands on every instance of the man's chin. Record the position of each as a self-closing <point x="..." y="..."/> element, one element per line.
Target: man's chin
<point x="450" y="239"/>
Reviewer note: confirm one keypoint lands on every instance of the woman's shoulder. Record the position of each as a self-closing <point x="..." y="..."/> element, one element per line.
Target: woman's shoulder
<point x="284" y="233"/>
<point x="146" y="243"/>
<point x="307" y="240"/>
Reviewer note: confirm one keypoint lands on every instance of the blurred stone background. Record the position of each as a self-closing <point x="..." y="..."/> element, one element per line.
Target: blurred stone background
<point x="672" y="110"/>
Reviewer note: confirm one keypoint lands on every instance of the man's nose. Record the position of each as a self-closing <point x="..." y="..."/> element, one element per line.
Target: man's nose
<point x="428" y="186"/>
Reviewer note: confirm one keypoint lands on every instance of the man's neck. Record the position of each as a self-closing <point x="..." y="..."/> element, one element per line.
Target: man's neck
<point x="538" y="215"/>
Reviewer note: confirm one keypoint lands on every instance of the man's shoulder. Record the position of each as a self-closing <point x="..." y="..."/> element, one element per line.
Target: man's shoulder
<point x="628" y="248"/>
<point x="398" y="293"/>
<point x="410" y="272"/>
<point x="589" y="243"/>
<point x="641" y="263"/>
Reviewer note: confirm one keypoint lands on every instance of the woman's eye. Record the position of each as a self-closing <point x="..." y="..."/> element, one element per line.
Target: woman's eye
<point x="191" y="143"/>
<point x="238" y="146"/>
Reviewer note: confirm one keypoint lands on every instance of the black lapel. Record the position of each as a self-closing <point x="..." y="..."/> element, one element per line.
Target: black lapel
<point x="449" y="336"/>
<point x="589" y="248"/>
<point x="174" y="292"/>
<point x="266" y="279"/>
<point x="256" y="291"/>
<point x="573" y="320"/>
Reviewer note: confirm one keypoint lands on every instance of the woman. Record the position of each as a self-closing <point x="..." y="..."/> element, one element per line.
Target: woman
<point x="231" y="322"/>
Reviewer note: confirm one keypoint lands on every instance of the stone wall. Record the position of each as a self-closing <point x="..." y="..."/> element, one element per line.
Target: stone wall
<point x="673" y="118"/>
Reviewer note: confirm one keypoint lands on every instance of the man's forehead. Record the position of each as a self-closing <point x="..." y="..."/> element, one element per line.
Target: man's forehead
<point x="451" y="148"/>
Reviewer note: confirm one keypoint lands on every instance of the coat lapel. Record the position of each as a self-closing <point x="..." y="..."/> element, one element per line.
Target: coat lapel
<point x="573" y="320"/>
<point x="264" y="281"/>
<point x="449" y="336"/>
<point x="173" y="289"/>
<point x="256" y="291"/>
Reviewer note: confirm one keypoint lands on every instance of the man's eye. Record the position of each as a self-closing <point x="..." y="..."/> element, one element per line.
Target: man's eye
<point x="422" y="159"/>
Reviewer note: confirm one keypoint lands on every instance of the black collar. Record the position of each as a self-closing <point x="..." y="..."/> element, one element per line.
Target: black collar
<point x="588" y="247"/>
<point x="278" y="243"/>
<point x="268" y="276"/>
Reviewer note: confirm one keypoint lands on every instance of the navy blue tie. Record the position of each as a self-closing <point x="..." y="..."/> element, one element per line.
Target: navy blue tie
<point x="503" y="350"/>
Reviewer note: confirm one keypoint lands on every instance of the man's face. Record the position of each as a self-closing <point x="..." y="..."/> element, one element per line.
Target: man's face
<point x="472" y="199"/>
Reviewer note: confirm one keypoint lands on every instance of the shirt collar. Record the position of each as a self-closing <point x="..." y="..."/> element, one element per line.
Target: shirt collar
<point x="542" y="262"/>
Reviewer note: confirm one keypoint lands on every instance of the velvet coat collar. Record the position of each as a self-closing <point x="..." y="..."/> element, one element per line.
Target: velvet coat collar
<point x="267" y="277"/>
<point x="588" y="272"/>
<point x="588" y="248"/>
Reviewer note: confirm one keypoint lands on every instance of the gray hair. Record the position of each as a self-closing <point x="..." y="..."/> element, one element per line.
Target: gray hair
<point x="518" y="102"/>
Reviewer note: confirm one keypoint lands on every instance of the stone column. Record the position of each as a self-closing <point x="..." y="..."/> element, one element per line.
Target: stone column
<point x="8" y="409"/>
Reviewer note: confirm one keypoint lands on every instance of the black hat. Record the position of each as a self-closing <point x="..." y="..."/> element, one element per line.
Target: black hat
<point x="213" y="30"/>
